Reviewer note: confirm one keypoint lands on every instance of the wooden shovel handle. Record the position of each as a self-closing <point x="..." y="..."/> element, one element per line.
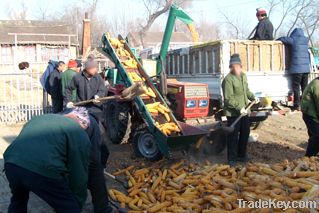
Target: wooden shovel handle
<point x="242" y="115"/>
<point x="98" y="99"/>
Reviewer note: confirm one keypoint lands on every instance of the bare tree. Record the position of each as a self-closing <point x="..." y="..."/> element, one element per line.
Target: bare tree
<point x="18" y="14"/>
<point x="155" y="8"/>
<point x="300" y="7"/>
<point x="43" y="11"/>
<point x="236" y="25"/>
<point x="293" y="13"/>
<point x="208" y="30"/>
<point x="285" y="7"/>
<point x="310" y="22"/>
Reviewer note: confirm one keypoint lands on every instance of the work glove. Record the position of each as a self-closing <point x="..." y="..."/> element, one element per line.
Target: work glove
<point x="96" y="101"/>
<point x="70" y="105"/>
<point x="256" y="100"/>
<point x="243" y="111"/>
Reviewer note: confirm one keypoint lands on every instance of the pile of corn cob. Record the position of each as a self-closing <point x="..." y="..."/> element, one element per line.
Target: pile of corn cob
<point x="156" y="108"/>
<point x="217" y="188"/>
<point x="167" y="128"/>
<point x="129" y="62"/>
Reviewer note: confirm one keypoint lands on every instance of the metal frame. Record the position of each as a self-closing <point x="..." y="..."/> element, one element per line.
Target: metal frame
<point x="16" y="42"/>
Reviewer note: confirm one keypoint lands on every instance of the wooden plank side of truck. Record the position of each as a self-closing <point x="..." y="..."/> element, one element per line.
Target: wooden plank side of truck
<point x="265" y="63"/>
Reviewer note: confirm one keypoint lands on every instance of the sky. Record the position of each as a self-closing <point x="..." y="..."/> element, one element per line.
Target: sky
<point x="201" y="9"/>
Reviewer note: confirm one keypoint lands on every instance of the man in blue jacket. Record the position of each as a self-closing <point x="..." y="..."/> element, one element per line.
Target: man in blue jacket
<point x="299" y="62"/>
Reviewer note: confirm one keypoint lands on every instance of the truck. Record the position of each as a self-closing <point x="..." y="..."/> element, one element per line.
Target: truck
<point x="265" y="64"/>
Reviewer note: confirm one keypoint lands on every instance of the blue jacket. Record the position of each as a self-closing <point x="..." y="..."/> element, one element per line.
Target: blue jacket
<point x="299" y="60"/>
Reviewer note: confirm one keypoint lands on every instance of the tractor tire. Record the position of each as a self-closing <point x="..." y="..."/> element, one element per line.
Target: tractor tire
<point x="118" y="121"/>
<point x="216" y="144"/>
<point x="145" y="145"/>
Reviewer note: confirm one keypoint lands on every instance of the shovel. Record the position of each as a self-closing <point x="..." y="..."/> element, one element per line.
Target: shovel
<point x="230" y="129"/>
<point x="123" y="183"/>
<point x="218" y="135"/>
<point x="127" y="94"/>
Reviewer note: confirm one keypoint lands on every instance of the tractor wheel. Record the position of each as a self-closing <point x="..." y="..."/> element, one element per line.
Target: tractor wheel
<point x="216" y="144"/>
<point x="145" y="145"/>
<point x="118" y="121"/>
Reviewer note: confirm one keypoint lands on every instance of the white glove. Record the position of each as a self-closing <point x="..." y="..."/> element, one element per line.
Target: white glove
<point x="95" y="99"/>
<point x="257" y="100"/>
<point x="243" y="111"/>
<point x="70" y="105"/>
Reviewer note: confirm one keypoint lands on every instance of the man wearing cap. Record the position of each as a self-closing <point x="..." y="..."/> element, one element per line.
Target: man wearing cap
<point x="88" y="84"/>
<point x="236" y="97"/>
<point x="50" y="158"/>
<point x="55" y="87"/>
<point x="264" y="30"/>
<point x="74" y="66"/>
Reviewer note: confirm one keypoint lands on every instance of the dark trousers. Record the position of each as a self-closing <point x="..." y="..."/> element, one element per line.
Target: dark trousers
<point x="57" y="105"/>
<point x="237" y="141"/>
<point x="299" y="80"/>
<point x="56" y="193"/>
<point x="96" y="180"/>
<point x="313" y="133"/>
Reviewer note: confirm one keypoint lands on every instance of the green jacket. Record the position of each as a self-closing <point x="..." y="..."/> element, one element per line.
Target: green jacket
<point x="310" y="100"/>
<point x="236" y="94"/>
<point x="53" y="146"/>
<point x="66" y="78"/>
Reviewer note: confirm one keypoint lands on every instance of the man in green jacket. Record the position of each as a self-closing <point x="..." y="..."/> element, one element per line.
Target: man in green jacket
<point x="310" y="115"/>
<point x="236" y="97"/>
<point x="50" y="158"/>
<point x="74" y="67"/>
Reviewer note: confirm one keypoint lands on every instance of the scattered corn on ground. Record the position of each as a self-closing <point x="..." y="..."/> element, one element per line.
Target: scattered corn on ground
<point x="155" y="108"/>
<point x="216" y="188"/>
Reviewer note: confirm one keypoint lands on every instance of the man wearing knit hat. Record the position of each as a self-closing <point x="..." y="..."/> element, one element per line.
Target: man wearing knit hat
<point x="264" y="30"/>
<point x="74" y="66"/>
<point x="236" y="97"/>
<point x="88" y="84"/>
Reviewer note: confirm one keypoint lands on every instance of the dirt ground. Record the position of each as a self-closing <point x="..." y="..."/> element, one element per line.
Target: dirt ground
<point x="279" y="138"/>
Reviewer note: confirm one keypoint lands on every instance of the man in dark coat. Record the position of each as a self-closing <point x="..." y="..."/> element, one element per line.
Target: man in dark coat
<point x="88" y="84"/>
<point x="55" y="87"/>
<point x="264" y="29"/>
<point x="299" y="62"/>
<point x="98" y="159"/>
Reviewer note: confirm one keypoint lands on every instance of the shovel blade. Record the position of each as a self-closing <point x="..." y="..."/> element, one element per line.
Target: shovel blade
<point x="132" y="91"/>
<point x="227" y="130"/>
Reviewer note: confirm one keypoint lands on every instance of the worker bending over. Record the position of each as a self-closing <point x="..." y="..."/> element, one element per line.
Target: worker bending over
<point x="310" y="115"/>
<point x="264" y="30"/>
<point x="55" y="87"/>
<point x="50" y="158"/>
<point x="88" y="84"/>
<point x="236" y="97"/>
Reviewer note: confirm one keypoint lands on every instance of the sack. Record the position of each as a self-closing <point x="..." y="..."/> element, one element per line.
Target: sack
<point x="45" y="76"/>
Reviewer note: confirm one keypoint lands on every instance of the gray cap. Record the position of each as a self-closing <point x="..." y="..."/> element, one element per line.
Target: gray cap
<point x="234" y="59"/>
<point x="90" y="63"/>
